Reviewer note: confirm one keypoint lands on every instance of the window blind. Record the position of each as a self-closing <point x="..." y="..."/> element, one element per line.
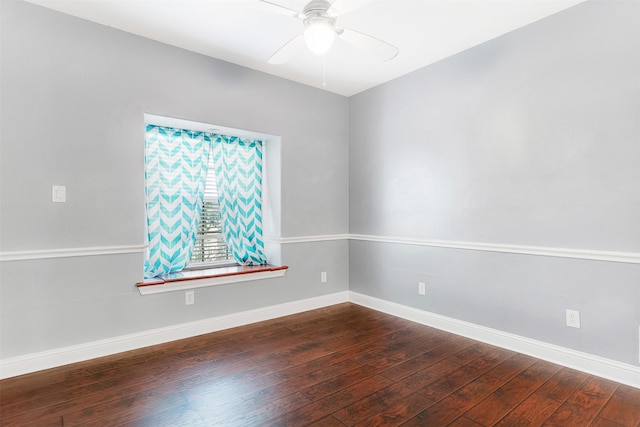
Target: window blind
<point x="210" y="245"/>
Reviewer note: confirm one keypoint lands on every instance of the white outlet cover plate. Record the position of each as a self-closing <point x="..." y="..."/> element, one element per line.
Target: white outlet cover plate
<point x="189" y="297"/>
<point x="573" y="318"/>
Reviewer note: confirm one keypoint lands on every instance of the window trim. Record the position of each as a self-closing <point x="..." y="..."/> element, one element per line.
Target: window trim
<point x="194" y="279"/>
<point x="210" y="265"/>
<point x="271" y="208"/>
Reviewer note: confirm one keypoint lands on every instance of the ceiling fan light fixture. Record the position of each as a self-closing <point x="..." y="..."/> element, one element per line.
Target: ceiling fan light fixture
<point x="319" y="35"/>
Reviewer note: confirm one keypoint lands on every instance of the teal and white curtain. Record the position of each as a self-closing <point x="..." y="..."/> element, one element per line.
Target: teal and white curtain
<point x="238" y="164"/>
<point x="175" y="176"/>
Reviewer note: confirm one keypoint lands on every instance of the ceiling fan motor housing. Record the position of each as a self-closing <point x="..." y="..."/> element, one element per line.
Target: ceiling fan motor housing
<point x="317" y="11"/>
<point x="317" y="6"/>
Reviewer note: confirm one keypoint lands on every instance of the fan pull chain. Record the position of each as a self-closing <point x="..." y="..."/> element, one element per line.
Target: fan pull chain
<point x="324" y="70"/>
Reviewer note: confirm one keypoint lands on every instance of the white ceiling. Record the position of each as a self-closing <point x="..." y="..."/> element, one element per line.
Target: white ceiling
<point x="247" y="32"/>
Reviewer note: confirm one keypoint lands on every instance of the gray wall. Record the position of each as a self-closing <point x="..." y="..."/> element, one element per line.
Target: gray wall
<point x="73" y="98"/>
<point x="530" y="139"/>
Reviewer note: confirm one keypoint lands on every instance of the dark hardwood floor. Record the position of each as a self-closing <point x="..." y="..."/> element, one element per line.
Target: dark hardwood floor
<point x="336" y="366"/>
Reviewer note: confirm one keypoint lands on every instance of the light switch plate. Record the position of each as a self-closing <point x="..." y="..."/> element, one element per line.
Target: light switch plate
<point x="58" y="194"/>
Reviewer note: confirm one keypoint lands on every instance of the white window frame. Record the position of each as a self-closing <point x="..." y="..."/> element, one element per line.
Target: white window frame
<point x="270" y="212"/>
<point x="271" y="196"/>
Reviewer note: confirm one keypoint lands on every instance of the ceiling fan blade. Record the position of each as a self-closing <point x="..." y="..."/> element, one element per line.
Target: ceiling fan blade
<point x="340" y="7"/>
<point x="282" y="10"/>
<point x="283" y="54"/>
<point x="373" y="46"/>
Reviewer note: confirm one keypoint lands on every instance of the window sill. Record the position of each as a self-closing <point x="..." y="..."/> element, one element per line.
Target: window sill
<point x="209" y="277"/>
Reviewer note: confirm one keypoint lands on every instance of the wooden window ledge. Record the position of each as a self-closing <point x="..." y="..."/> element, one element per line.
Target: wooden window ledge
<point x="193" y="279"/>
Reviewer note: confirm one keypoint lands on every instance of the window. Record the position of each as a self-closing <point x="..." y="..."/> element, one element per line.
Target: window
<point x="210" y="246"/>
<point x="203" y="197"/>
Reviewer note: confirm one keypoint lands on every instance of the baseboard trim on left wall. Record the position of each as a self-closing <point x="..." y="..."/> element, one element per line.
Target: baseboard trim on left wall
<point x="77" y="353"/>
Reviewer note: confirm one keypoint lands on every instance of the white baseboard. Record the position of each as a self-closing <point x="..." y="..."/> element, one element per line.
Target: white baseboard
<point x="62" y="356"/>
<point x="595" y="365"/>
<point x="599" y="366"/>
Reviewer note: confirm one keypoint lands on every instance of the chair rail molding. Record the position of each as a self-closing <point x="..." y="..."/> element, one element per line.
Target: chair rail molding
<point x="595" y="255"/>
<point x="586" y="254"/>
<point x="70" y="252"/>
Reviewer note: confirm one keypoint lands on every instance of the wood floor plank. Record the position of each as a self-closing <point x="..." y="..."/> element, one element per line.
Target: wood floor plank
<point x="507" y="397"/>
<point x="256" y="414"/>
<point x="539" y="406"/>
<point x="77" y="395"/>
<point x="416" y="405"/>
<point x="239" y="397"/>
<point x="533" y="411"/>
<point x="623" y="407"/>
<point x="563" y="384"/>
<point x="584" y="405"/>
<point x="36" y="383"/>
<point x="464" y="422"/>
<point x="329" y="421"/>
<point x="603" y="422"/>
<point x="314" y="365"/>
<point x="330" y="386"/>
<point x="182" y="416"/>
<point x="126" y="376"/>
<point x="379" y="402"/>
<point x="512" y="367"/>
<point x="446" y="348"/>
<point x="330" y="404"/>
<point x="42" y="420"/>
<point x="395" y="353"/>
<point x="454" y="405"/>
<point x="126" y="409"/>
<point x="336" y="366"/>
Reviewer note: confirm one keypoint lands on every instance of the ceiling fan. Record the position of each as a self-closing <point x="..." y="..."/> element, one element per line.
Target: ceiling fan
<point x="319" y="18"/>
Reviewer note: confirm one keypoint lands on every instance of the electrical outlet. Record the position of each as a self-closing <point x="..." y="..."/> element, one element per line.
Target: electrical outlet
<point x="573" y="318"/>
<point x="323" y="277"/>
<point x="422" y="288"/>
<point x="189" y="298"/>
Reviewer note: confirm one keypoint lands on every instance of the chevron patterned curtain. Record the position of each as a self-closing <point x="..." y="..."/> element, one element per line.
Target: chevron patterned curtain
<point x="238" y="168"/>
<point x="175" y="176"/>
